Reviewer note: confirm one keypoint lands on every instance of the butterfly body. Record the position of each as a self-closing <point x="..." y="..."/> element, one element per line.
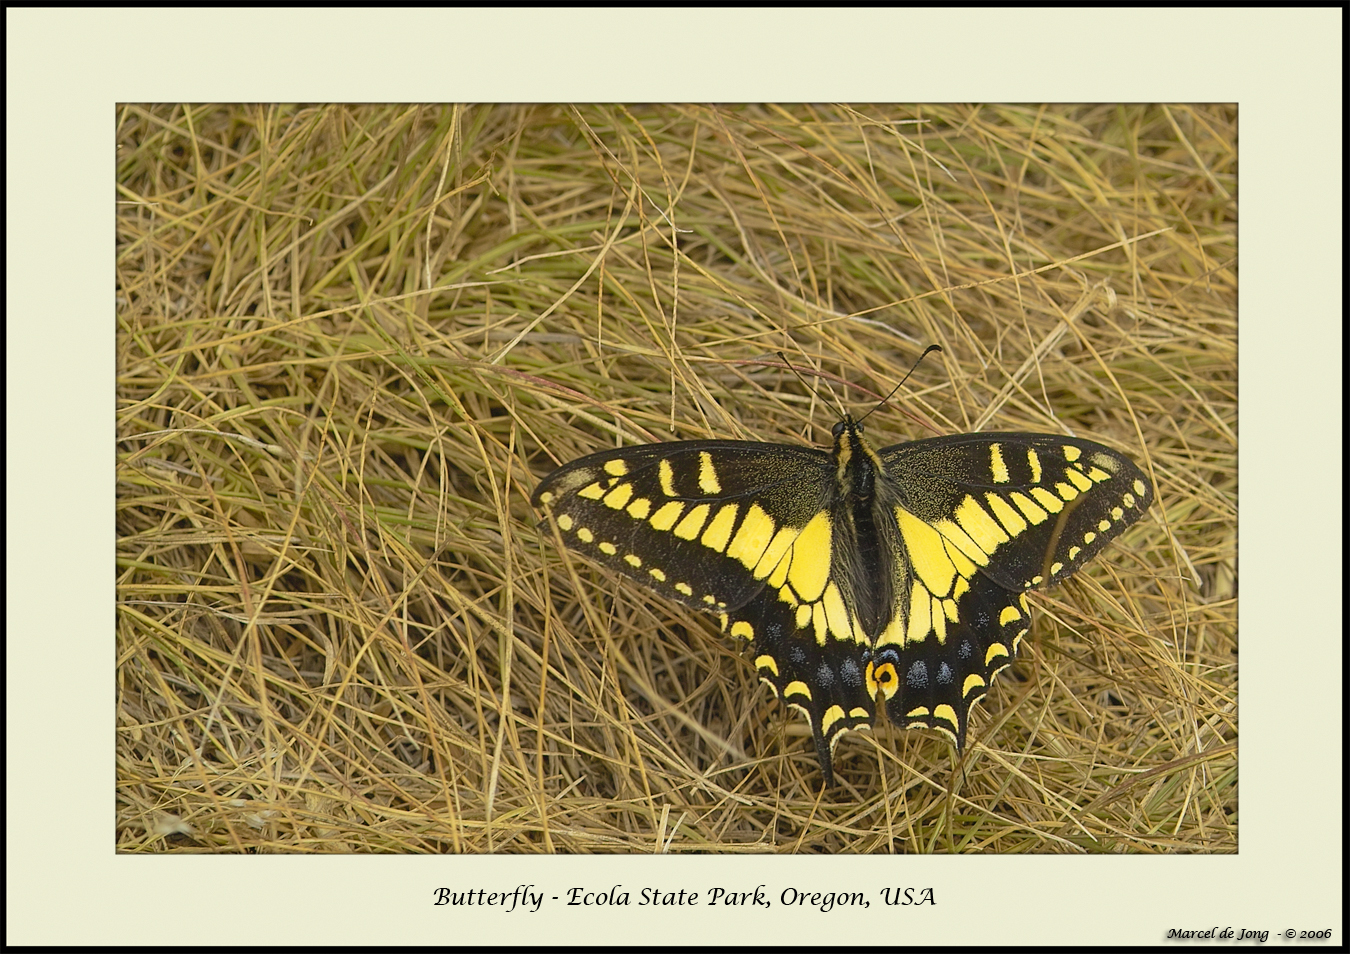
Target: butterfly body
<point x="855" y="576"/>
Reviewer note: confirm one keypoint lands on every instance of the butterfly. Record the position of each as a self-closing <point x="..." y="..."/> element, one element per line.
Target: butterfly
<point x="857" y="578"/>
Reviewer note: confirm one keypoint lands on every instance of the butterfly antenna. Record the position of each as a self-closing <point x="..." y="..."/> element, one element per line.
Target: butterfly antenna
<point x="926" y="352"/>
<point x="808" y="386"/>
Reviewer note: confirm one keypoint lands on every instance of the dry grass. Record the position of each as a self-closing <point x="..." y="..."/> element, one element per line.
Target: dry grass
<point x="351" y="339"/>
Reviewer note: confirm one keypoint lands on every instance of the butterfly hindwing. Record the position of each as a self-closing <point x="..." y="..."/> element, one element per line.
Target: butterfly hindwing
<point x="825" y="682"/>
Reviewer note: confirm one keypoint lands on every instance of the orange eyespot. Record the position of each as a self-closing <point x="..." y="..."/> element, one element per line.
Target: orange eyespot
<point x="882" y="678"/>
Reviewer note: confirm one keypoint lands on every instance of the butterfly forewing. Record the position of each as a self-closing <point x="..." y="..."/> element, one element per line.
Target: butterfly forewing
<point x="1039" y="506"/>
<point x="701" y="522"/>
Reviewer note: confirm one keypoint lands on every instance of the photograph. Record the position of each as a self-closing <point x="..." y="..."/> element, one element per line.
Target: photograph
<point x="625" y="479"/>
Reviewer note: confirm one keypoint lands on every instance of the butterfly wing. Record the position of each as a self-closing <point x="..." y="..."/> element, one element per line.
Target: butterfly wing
<point x="981" y="519"/>
<point x="701" y="522"/>
<point x="736" y="529"/>
<point x="815" y="668"/>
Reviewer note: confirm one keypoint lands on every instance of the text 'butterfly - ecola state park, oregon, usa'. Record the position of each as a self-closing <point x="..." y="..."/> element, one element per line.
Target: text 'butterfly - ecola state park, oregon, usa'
<point x="857" y="573"/>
